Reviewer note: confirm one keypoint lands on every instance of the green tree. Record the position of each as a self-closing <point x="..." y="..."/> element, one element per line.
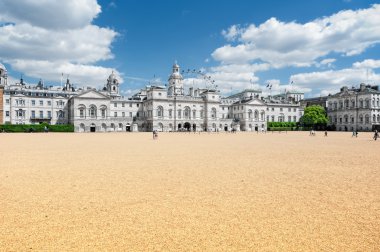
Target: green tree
<point x="314" y="115"/>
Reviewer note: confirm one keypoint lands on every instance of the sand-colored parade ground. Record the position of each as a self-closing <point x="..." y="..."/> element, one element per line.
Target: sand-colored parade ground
<point x="189" y="192"/>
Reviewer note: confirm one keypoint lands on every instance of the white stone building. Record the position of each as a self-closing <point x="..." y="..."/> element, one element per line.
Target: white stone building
<point x="155" y="107"/>
<point x="355" y="108"/>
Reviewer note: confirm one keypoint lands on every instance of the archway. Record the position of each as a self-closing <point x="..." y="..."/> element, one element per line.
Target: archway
<point x="194" y="127"/>
<point x="92" y="127"/>
<point x="179" y="127"/>
<point x="187" y="126"/>
<point x="128" y="127"/>
<point x="225" y="127"/>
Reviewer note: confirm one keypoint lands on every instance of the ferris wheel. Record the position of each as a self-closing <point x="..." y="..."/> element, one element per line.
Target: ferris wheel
<point x="209" y="82"/>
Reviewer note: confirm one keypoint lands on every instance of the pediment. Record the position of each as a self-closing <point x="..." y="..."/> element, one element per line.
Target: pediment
<point x="256" y="102"/>
<point x="92" y="94"/>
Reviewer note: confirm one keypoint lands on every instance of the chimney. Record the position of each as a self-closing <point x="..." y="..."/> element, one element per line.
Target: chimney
<point x="362" y="87"/>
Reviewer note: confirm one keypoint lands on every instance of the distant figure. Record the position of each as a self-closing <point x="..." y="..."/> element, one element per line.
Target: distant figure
<point x="376" y="135"/>
<point x="154" y="134"/>
<point x="325" y="133"/>
<point x="46" y="129"/>
<point x="355" y="133"/>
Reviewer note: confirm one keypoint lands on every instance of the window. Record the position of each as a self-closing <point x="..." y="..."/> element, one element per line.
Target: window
<point x="256" y="115"/>
<point x="272" y="118"/>
<point x="115" y="114"/>
<point x="267" y="118"/>
<point x="33" y="114"/>
<point x="170" y="113"/>
<point x="7" y="113"/>
<point x="123" y="114"/>
<point x="41" y="102"/>
<point x="130" y="114"/>
<point x="186" y="113"/>
<point x="7" y="101"/>
<point x="201" y="114"/>
<point x="60" y="114"/>
<point x="179" y="113"/>
<point x="130" y="105"/>
<point x="123" y="104"/>
<point x="92" y="111"/>
<point x="41" y="114"/>
<point x="213" y="113"/>
<point x="115" y="105"/>
<point x="49" y="114"/>
<point x="272" y="109"/>
<point x="160" y="111"/>
<point x="294" y="118"/>
<point x="294" y="110"/>
<point x="289" y="110"/>
<point x="289" y="118"/>
<point x="81" y="112"/>
<point x="281" y="109"/>
<point x="194" y="114"/>
<point x="49" y="103"/>
<point x="367" y="119"/>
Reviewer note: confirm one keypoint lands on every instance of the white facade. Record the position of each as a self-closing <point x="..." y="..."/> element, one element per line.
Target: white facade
<point x="354" y="109"/>
<point x="153" y="108"/>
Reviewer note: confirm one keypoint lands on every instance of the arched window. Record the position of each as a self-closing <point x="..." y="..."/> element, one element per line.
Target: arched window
<point x="186" y="113"/>
<point x="374" y="118"/>
<point x="346" y="103"/>
<point x="82" y="111"/>
<point x="256" y="115"/>
<point x="103" y="111"/>
<point x="213" y="113"/>
<point x="170" y="113"/>
<point x="352" y="103"/>
<point x="262" y="115"/>
<point x="250" y="114"/>
<point x="92" y="111"/>
<point x="367" y="103"/>
<point x="361" y="103"/>
<point x="361" y="118"/>
<point x="160" y="111"/>
<point x="366" y="118"/>
<point x="378" y="118"/>
<point x="345" y="118"/>
<point x="179" y="113"/>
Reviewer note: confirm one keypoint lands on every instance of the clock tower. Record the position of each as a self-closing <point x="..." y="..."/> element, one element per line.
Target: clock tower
<point x="175" y="82"/>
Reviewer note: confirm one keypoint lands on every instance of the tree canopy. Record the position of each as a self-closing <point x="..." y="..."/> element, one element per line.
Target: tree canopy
<point x="314" y="115"/>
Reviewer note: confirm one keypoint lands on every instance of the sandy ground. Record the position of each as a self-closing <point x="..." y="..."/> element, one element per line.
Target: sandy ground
<point x="189" y="192"/>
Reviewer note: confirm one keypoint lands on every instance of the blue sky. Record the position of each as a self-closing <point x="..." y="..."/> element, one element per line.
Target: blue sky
<point x="319" y="45"/>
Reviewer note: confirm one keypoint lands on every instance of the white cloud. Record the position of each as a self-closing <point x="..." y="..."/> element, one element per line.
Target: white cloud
<point x="43" y="38"/>
<point x="368" y="63"/>
<point x="83" y="75"/>
<point x="50" y="14"/>
<point x="331" y="81"/>
<point x="293" y="44"/>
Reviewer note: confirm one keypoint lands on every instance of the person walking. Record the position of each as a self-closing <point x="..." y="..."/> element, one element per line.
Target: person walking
<point x="376" y="135"/>
<point x="325" y="133"/>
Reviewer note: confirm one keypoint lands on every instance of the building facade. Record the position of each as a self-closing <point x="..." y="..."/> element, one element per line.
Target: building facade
<point x="169" y="107"/>
<point x="355" y="108"/>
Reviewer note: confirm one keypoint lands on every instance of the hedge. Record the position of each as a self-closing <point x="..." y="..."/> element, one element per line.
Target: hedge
<point x="281" y="124"/>
<point x="36" y="128"/>
<point x="281" y="129"/>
